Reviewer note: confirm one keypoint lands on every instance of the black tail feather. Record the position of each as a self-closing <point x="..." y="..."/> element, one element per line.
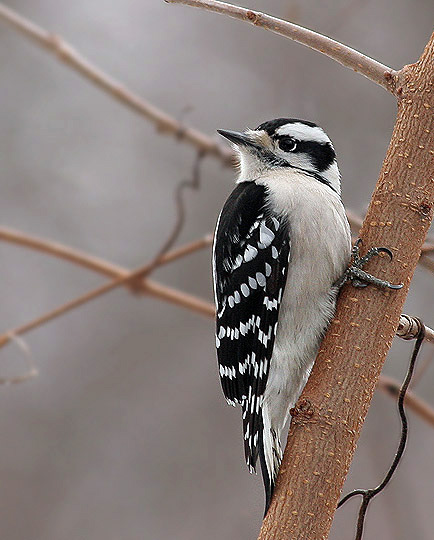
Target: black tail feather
<point x="268" y="483"/>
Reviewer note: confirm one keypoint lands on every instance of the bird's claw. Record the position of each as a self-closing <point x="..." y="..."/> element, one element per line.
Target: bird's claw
<point x="386" y="251"/>
<point x="358" y="284"/>
<point x="358" y="277"/>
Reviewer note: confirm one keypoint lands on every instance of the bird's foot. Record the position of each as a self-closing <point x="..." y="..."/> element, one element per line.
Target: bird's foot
<point x="358" y="277"/>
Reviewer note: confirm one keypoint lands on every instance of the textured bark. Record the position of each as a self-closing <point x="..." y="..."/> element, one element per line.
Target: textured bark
<point x="330" y="413"/>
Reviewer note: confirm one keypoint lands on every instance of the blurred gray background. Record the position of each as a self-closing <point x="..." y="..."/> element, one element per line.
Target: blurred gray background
<point x="125" y="433"/>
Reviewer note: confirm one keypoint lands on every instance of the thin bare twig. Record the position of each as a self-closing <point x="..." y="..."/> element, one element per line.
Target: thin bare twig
<point x="428" y="247"/>
<point x="122" y="277"/>
<point x="89" y="261"/>
<point x="66" y="53"/>
<point x="148" y="287"/>
<point x="193" y="183"/>
<point x="409" y="328"/>
<point x="369" y="494"/>
<point x="424" y="363"/>
<point x="427" y="263"/>
<point x="348" y="57"/>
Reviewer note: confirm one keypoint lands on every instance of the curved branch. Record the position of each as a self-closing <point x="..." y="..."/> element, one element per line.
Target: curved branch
<point x="348" y="57"/>
<point x="66" y="53"/>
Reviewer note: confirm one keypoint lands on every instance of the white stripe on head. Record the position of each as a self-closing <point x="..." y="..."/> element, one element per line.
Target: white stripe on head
<point x="303" y="132"/>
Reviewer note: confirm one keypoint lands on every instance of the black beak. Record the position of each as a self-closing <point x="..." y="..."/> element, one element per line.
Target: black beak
<point x="240" y="139"/>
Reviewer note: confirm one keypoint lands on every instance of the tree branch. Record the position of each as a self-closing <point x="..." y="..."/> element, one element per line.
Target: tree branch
<point x="31" y="372"/>
<point x="66" y="53"/>
<point x="410" y="327"/>
<point x="348" y="57"/>
<point x="335" y="401"/>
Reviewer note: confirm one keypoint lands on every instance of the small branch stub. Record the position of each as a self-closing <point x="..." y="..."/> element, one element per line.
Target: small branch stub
<point x="408" y="327"/>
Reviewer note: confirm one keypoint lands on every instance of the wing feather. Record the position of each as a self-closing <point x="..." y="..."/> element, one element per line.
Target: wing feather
<point x="251" y="256"/>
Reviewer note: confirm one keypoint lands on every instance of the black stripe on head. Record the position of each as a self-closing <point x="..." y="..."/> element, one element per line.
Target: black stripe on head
<point x="272" y="125"/>
<point x="321" y="154"/>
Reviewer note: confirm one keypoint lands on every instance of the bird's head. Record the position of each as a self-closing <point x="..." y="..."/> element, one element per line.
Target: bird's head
<point x="286" y="143"/>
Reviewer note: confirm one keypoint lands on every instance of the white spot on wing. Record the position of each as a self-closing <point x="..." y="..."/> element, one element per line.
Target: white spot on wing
<point x="245" y="290"/>
<point x="266" y="235"/>
<point x="260" y="278"/>
<point x="253" y="283"/>
<point x="253" y="227"/>
<point x="237" y="263"/>
<point x="220" y="313"/>
<point x="275" y="223"/>
<point x="250" y="253"/>
<point x="270" y="304"/>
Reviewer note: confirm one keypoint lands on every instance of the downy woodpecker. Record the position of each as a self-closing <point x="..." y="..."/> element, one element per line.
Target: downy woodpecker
<point x="281" y="251"/>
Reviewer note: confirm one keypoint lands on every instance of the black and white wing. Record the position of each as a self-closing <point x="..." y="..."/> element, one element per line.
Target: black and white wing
<point x="250" y="259"/>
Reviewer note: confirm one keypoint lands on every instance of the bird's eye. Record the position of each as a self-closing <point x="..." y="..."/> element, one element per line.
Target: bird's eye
<point x="287" y="144"/>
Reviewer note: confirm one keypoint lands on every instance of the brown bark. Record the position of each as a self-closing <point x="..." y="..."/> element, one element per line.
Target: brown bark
<point x="330" y="413"/>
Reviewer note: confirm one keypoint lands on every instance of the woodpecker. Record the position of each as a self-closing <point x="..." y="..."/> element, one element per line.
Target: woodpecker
<point x="281" y="252"/>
